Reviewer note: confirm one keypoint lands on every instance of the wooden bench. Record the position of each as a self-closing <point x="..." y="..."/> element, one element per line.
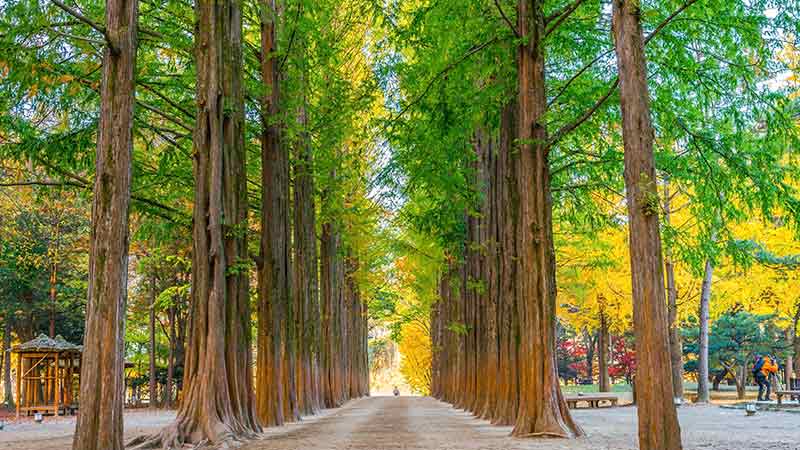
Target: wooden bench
<point x="791" y="394"/>
<point x="593" y="400"/>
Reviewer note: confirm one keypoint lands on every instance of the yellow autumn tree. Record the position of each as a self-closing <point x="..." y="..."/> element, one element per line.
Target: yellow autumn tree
<point x="415" y="354"/>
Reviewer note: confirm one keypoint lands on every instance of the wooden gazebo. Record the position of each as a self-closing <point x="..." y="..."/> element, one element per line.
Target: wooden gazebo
<point x="48" y="375"/>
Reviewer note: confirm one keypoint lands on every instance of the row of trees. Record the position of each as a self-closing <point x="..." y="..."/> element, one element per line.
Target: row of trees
<point x="520" y="139"/>
<point x="516" y="217"/>
<point x="186" y="96"/>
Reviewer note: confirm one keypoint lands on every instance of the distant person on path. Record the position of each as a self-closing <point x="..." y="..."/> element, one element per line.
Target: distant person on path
<point x="396" y="391"/>
<point x="762" y="369"/>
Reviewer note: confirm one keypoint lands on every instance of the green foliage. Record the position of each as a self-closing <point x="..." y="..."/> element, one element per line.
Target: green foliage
<point x="736" y="337"/>
<point x="42" y="232"/>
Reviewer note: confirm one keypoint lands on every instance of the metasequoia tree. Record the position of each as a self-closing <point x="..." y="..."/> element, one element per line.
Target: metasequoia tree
<point x="218" y="400"/>
<point x="331" y="277"/>
<point x="675" y="344"/>
<point x="702" y="350"/>
<point x="151" y="345"/>
<point x="312" y="329"/>
<point x="99" y="423"/>
<point x="603" y="344"/>
<point x="658" y="421"/>
<point x="518" y="287"/>
<point x="274" y="397"/>
<point x="306" y="284"/>
<point x="542" y="409"/>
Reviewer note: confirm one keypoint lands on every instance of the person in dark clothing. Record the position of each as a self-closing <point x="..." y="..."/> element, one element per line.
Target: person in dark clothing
<point x="762" y="369"/>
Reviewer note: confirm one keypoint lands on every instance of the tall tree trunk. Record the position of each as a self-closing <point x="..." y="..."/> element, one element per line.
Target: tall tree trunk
<point x="490" y="370"/>
<point x="675" y="343"/>
<point x="53" y="297"/>
<point x="603" y="342"/>
<point x="275" y="277"/>
<point x="7" y="389"/>
<point x="180" y="346"/>
<point x="792" y="343"/>
<point x="508" y="324"/>
<point x="218" y="402"/>
<point x="702" y="357"/>
<point x="589" y="339"/>
<point x="542" y="410"/>
<point x="170" y="358"/>
<point x="658" y="420"/>
<point x="306" y="284"/>
<point x="788" y="370"/>
<point x="327" y="269"/>
<point x="152" y="343"/>
<point x="102" y="390"/>
<point x="741" y="381"/>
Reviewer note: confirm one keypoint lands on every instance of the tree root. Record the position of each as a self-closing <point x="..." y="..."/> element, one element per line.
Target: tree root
<point x="170" y="438"/>
<point x="545" y="434"/>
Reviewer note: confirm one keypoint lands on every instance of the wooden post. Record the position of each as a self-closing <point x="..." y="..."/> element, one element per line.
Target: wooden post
<point x="19" y="381"/>
<point x="47" y="392"/>
<point x="56" y="373"/>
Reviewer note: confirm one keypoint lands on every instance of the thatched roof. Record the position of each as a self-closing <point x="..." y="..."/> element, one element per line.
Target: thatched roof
<point x="44" y="343"/>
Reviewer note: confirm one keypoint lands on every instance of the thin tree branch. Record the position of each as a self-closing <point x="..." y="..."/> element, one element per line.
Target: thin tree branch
<point x="578" y="74"/>
<point x="291" y="38"/>
<point x="99" y="28"/>
<point x="80" y="38"/>
<point x="666" y="21"/>
<point x="566" y="129"/>
<point x="441" y="73"/>
<point x="137" y="198"/>
<point x="42" y="183"/>
<point x="167" y="99"/>
<point x="505" y="18"/>
<point x="562" y="16"/>
<point x="165" y="115"/>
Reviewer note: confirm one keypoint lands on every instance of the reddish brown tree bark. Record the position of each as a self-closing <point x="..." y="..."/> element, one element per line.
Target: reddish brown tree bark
<point x="218" y="402"/>
<point x="331" y="325"/>
<point x="273" y="396"/>
<point x="7" y="387"/>
<point x="490" y="370"/>
<point x="99" y="423"/>
<point x="151" y="328"/>
<point x="542" y="410"/>
<point x="675" y="342"/>
<point x="658" y="421"/>
<point x="603" y="341"/>
<point x="508" y="325"/>
<point x="306" y="284"/>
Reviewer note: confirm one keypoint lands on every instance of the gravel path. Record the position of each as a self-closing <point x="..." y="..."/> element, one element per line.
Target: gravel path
<point x="56" y="433"/>
<point x="422" y="423"/>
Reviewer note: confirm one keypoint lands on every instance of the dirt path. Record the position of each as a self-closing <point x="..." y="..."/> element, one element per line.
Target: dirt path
<point x="56" y="433"/>
<point x="422" y="423"/>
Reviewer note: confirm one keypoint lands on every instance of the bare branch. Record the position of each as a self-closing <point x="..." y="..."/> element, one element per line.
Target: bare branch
<point x="666" y="21"/>
<point x="86" y="185"/>
<point x="566" y="129"/>
<point x="165" y="115"/>
<point x="441" y="73"/>
<point x="578" y="74"/>
<point x="505" y="17"/>
<point x="561" y="16"/>
<point x="80" y="38"/>
<point x="167" y="99"/>
<point x="42" y="183"/>
<point x="99" y="28"/>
